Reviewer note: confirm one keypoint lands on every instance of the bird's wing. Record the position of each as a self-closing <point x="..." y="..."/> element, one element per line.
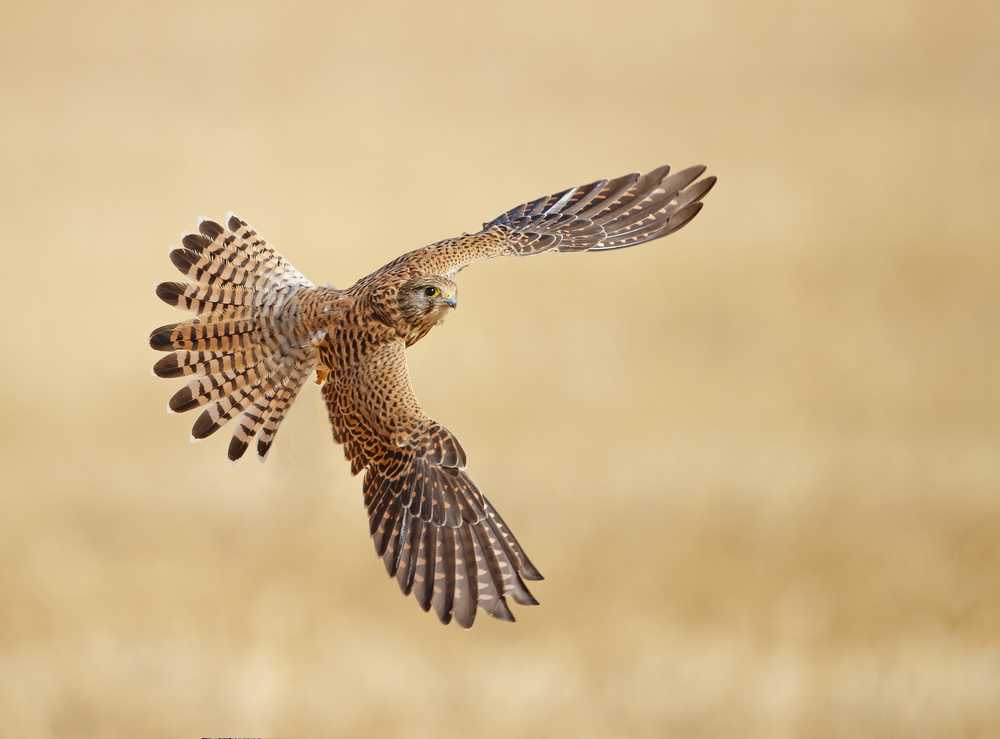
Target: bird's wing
<point x="435" y="531"/>
<point x="607" y="214"/>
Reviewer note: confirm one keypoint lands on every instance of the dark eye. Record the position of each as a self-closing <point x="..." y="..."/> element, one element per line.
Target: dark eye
<point x="431" y="292"/>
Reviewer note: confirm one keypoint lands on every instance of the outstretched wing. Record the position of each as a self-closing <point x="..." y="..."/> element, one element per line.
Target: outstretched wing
<point x="435" y="531"/>
<point x="607" y="214"/>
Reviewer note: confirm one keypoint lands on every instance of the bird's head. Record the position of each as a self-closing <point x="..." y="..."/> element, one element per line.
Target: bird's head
<point x="426" y="300"/>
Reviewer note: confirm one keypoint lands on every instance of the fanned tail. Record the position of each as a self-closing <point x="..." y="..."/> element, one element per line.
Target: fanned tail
<point x="252" y="343"/>
<point x="607" y="214"/>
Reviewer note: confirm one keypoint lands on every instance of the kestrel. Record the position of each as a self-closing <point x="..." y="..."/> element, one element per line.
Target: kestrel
<point x="261" y="328"/>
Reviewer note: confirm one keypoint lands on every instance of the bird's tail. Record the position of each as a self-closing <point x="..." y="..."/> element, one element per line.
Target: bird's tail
<point x="252" y="342"/>
<point x="607" y="214"/>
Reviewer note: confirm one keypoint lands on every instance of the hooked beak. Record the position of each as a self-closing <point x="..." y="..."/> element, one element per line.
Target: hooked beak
<point x="450" y="300"/>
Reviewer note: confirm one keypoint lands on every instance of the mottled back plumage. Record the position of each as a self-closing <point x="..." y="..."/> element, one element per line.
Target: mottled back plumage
<point x="260" y="329"/>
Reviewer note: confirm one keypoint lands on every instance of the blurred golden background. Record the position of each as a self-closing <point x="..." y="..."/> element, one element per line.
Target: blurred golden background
<point x="757" y="461"/>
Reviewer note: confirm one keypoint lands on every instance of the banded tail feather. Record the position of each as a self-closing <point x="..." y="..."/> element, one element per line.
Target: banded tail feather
<point x="252" y="342"/>
<point x="607" y="214"/>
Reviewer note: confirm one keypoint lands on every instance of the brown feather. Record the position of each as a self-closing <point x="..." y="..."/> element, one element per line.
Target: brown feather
<point x="260" y="328"/>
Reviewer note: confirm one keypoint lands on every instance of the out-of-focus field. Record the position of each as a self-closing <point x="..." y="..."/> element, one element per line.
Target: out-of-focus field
<point x="758" y="461"/>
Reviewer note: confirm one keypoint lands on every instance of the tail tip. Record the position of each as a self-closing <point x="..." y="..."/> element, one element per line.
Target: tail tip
<point x="208" y="227"/>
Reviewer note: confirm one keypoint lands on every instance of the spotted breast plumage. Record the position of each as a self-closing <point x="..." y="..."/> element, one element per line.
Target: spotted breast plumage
<point x="261" y="329"/>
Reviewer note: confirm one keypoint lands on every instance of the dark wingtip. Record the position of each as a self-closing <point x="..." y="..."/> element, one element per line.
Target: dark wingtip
<point x="528" y="571"/>
<point x="695" y="170"/>
<point x="445" y="617"/>
<point x="683" y="217"/>
<point x="425" y="603"/>
<point x="522" y="596"/>
<point x="465" y="620"/>
<point x="656" y="175"/>
<point x="709" y="184"/>
<point x="499" y="610"/>
<point x="698" y="190"/>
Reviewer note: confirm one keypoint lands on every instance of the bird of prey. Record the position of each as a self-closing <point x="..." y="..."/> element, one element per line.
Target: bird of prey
<point x="260" y="329"/>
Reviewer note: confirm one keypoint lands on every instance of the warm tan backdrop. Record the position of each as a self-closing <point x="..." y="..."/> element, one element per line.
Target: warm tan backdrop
<point x="758" y="461"/>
